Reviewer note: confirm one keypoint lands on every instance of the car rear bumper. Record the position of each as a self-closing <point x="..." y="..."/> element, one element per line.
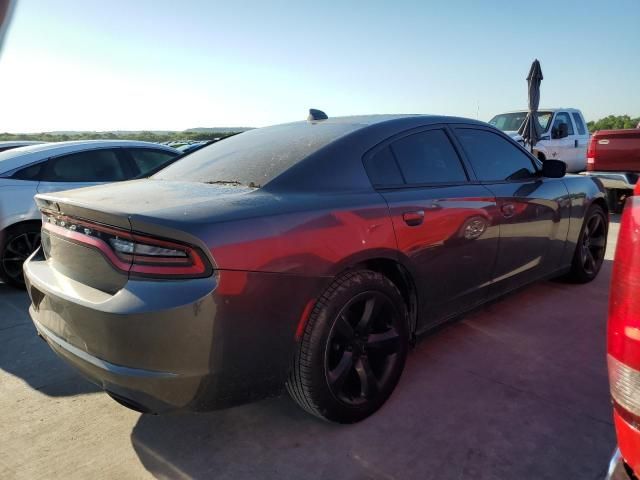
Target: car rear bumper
<point x="139" y="389"/>
<point x="177" y="345"/>
<point x="616" y="180"/>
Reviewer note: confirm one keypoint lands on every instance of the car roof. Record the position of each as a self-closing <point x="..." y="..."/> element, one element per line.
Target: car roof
<point x="343" y="154"/>
<point x="21" y="156"/>
<point x="18" y="143"/>
<point x="368" y="120"/>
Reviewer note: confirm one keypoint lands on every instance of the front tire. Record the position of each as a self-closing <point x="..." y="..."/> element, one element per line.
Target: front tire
<point x="353" y="349"/>
<point x="17" y="243"/>
<point x="591" y="247"/>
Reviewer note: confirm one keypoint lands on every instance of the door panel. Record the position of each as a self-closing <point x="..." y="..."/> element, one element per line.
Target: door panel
<point x="566" y="147"/>
<point x="452" y="249"/>
<point x="532" y="211"/>
<point x="533" y="218"/>
<point x="443" y="223"/>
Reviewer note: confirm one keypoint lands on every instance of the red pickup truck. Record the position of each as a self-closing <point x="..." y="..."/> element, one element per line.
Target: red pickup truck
<point x="614" y="157"/>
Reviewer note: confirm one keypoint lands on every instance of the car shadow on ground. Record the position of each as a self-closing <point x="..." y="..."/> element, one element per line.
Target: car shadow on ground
<point x="25" y="356"/>
<point x="517" y="389"/>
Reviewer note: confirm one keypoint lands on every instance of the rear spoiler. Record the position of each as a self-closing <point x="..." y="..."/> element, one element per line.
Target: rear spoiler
<point x="59" y="204"/>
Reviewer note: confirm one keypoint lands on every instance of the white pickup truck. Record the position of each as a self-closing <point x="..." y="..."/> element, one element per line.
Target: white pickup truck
<point x="564" y="134"/>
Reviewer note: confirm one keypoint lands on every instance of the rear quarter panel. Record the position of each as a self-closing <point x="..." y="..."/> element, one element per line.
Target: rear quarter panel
<point x="315" y="235"/>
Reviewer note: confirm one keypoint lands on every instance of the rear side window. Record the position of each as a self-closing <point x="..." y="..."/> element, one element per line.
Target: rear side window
<point x="383" y="169"/>
<point x="579" y="123"/>
<point x="494" y="158"/>
<point x="428" y="157"/>
<point x="32" y="172"/>
<point x="89" y="166"/>
<point x="146" y="160"/>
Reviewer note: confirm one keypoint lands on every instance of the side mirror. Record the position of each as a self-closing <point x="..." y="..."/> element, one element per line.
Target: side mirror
<point x="554" y="168"/>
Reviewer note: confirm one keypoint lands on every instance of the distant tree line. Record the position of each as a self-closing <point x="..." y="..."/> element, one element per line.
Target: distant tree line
<point x="613" y="122"/>
<point x="146" y="136"/>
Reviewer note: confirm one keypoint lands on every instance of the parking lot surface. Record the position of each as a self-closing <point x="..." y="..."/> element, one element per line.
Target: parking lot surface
<point x="515" y="390"/>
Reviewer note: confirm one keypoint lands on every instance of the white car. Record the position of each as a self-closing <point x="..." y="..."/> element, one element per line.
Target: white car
<point x="9" y="144"/>
<point x="564" y="134"/>
<point x="51" y="167"/>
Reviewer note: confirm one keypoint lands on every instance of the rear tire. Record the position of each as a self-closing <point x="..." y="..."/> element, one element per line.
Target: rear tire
<point x="353" y="349"/>
<point x="591" y="247"/>
<point x="17" y="243"/>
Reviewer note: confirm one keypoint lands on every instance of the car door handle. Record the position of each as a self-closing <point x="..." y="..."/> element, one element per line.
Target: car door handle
<point x="414" y="218"/>
<point x="508" y="210"/>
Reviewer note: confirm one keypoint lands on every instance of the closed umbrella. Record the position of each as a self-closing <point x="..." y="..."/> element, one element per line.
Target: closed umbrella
<point x="530" y="129"/>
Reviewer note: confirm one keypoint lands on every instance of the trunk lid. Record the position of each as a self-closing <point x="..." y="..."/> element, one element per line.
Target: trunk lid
<point x="175" y="211"/>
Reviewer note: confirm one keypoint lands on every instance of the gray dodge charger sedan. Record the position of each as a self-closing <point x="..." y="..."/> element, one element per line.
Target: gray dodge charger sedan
<point x="305" y="255"/>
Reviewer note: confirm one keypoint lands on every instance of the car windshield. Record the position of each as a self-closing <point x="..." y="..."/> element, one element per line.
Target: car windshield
<point x="510" y="122"/>
<point x="256" y="157"/>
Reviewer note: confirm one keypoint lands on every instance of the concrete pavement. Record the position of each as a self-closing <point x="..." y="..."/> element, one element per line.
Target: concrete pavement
<point x="517" y="389"/>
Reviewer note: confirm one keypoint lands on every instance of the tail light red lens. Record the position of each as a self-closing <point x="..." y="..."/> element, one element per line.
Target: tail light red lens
<point x="134" y="253"/>
<point x="591" y="153"/>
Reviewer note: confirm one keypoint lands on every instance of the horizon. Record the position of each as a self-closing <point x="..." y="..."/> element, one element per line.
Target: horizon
<point x="104" y="67"/>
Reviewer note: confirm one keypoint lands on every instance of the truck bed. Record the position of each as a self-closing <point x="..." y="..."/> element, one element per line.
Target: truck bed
<point x="615" y="151"/>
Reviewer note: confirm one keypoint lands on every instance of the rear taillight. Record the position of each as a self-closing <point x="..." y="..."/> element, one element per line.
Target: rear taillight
<point x="625" y="389"/>
<point x="623" y="331"/>
<point x="591" y="153"/>
<point x="134" y="253"/>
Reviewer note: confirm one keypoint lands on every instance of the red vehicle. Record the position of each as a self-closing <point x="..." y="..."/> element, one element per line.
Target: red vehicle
<point x="614" y="157"/>
<point x="623" y="344"/>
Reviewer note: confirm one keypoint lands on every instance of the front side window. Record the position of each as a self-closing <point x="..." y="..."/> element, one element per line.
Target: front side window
<point x="563" y="117"/>
<point x="90" y="166"/>
<point x="493" y="157"/>
<point x="428" y="157"/>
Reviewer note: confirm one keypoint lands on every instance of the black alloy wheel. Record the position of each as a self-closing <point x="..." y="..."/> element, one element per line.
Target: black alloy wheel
<point x="591" y="247"/>
<point x="363" y="348"/>
<point x="353" y="349"/>
<point x="19" y="243"/>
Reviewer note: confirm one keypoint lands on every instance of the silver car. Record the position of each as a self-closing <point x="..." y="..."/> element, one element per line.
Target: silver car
<point x="51" y="167"/>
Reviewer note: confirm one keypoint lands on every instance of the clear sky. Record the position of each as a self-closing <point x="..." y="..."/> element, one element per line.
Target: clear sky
<point x="156" y="64"/>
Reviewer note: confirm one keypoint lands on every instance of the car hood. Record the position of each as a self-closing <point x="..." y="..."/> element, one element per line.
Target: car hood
<point x="514" y="134"/>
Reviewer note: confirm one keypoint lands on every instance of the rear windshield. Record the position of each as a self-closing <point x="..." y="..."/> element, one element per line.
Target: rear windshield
<point x="256" y="157"/>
